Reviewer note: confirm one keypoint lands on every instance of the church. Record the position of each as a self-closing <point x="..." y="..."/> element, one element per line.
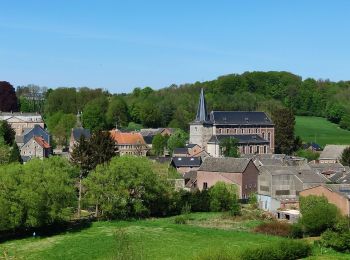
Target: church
<point x="254" y="131"/>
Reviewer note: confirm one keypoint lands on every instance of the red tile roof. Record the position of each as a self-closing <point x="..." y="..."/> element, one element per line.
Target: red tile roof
<point x="42" y="142"/>
<point x="132" y="138"/>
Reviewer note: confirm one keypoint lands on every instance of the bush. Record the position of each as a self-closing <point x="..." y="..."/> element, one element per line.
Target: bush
<point x="215" y="255"/>
<point x="223" y="197"/>
<point x="317" y="214"/>
<point x="337" y="241"/>
<point x="274" y="228"/>
<point x="283" y="250"/>
<point x="181" y="219"/>
<point x="296" y="231"/>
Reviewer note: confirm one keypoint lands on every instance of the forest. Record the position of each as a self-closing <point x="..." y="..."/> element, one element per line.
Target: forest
<point x="175" y="105"/>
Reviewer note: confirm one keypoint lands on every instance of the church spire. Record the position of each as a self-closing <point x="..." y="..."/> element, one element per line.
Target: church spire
<point x="202" y="109"/>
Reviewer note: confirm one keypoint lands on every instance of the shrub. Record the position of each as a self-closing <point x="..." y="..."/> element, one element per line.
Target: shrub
<point x="216" y="255"/>
<point x="338" y="241"/>
<point x="223" y="196"/>
<point x="274" y="228"/>
<point x="317" y="214"/>
<point x="296" y="231"/>
<point x="181" y="219"/>
<point x="283" y="250"/>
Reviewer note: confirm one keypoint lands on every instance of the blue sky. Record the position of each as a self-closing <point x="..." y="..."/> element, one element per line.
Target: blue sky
<point x="119" y="45"/>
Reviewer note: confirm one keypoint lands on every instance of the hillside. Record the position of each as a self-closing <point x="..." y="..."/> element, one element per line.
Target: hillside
<point x="320" y="130"/>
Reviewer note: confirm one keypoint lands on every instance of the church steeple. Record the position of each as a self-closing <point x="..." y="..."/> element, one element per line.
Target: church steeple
<point x="202" y="115"/>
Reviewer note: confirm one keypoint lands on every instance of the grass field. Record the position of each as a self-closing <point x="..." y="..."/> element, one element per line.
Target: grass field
<point x="320" y="130"/>
<point x="152" y="239"/>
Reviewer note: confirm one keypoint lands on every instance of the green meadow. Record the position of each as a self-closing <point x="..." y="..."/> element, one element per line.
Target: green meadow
<point x="320" y="130"/>
<point x="149" y="239"/>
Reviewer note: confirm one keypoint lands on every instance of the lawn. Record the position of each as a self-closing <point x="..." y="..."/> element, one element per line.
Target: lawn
<point x="320" y="130"/>
<point x="146" y="239"/>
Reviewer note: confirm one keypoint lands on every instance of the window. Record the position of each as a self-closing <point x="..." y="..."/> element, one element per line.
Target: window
<point x="282" y="192"/>
<point x="257" y="149"/>
<point x="250" y="149"/>
<point x="265" y="149"/>
<point x="263" y="135"/>
<point x="205" y="185"/>
<point x="268" y="136"/>
<point x="246" y="186"/>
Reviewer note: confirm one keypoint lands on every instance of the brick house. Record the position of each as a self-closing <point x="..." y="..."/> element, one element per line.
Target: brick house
<point x="239" y="171"/>
<point x="337" y="194"/>
<point x="129" y="143"/>
<point x="186" y="164"/>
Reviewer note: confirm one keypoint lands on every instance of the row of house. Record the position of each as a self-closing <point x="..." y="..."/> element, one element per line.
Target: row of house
<point x="31" y="137"/>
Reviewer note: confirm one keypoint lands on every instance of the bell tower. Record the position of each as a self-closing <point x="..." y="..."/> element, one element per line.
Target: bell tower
<point x="201" y="129"/>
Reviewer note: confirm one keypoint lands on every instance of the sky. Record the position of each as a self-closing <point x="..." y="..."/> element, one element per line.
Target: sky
<point x="120" y="45"/>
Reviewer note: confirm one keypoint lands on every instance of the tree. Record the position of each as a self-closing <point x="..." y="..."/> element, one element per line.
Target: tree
<point x="229" y="147"/>
<point x="94" y="114"/>
<point x="177" y="140"/>
<point x="5" y="152"/>
<point x="223" y="197"/>
<point x="158" y="144"/>
<point x="103" y="148"/>
<point x="345" y="156"/>
<point x="81" y="156"/>
<point x="127" y="187"/>
<point x="60" y="125"/>
<point x="15" y="155"/>
<point x="8" y="98"/>
<point x="284" y="121"/>
<point x="117" y="113"/>
<point x="7" y="132"/>
<point x="317" y="214"/>
<point x="150" y="114"/>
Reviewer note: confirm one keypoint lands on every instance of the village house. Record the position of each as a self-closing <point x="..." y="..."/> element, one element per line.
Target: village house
<point x="332" y="153"/>
<point x="239" y="171"/>
<point x="280" y="185"/>
<point x="20" y="121"/>
<point x="29" y="133"/>
<point x="254" y="131"/>
<point x="190" y="150"/>
<point x="76" y="134"/>
<point x="129" y="143"/>
<point x="149" y="133"/>
<point x="35" y="147"/>
<point x="312" y="147"/>
<point x="337" y="194"/>
<point x="186" y="164"/>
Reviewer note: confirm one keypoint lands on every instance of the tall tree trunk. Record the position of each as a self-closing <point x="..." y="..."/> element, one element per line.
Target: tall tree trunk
<point x="79" y="197"/>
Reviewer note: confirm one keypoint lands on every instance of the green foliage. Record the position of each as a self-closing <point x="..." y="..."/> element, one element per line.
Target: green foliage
<point x="117" y="113"/>
<point x="345" y="157"/>
<point x="159" y="143"/>
<point x="7" y="133"/>
<point x="229" y="147"/>
<point x="127" y="187"/>
<point x="37" y="193"/>
<point x="132" y="126"/>
<point x="223" y="197"/>
<point x="283" y="250"/>
<point x="284" y="121"/>
<point x="94" y="114"/>
<point x="177" y="140"/>
<point x="60" y="126"/>
<point x="308" y="154"/>
<point x="339" y="241"/>
<point x="317" y="214"/>
<point x="181" y="219"/>
<point x="15" y="155"/>
<point x="5" y="152"/>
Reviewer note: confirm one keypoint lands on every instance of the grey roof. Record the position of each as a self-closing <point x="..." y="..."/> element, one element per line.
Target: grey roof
<point x="313" y="145"/>
<point x="242" y="139"/>
<point x="332" y="151"/>
<point x="224" y="164"/>
<point x="327" y="167"/>
<point x="240" y="118"/>
<point x="181" y="150"/>
<point x="202" y="115"/>
<point x="37" y="130"/>
<point x="186" y="161"/>
<point x="272" y="161"/>
<point x="342" y="189"/>
<point x="344" y="180"/>
<point x="148" y="139"/>
<point x="190" y="145"/>
<point x="336" y="176"/>
<point x="79" y="131"/>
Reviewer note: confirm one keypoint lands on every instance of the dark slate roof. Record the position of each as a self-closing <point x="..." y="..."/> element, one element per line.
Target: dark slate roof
<point x="190" y="145"/>
<point x="181" y="151"/>
<point x="37" y="130"/>
<point x="242" y="139"/>
<point x="314" y="146"/>
<point x="79" y="131"/>
<point x="186" y="161"/>
<point x="202" y="115"/>
<point x="148" y="139"/>
<point x="240" y="118"/>
<point x="224" y="164"/>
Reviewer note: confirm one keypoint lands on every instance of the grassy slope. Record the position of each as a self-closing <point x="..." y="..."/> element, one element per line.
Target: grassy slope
<point x="156" y="239"/>
<point x="308" y="128"/>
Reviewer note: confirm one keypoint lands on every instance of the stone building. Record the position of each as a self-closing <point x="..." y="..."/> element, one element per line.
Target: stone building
<point x="22" y="121"/>
<point x="35" y="147"/>
<point x="254" y="131"/>
<point x="129" y="143"/>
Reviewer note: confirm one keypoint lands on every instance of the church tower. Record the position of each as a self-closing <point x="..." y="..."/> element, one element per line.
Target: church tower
<point x="201" y="129"/>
